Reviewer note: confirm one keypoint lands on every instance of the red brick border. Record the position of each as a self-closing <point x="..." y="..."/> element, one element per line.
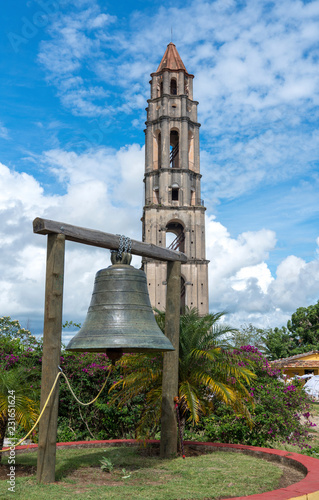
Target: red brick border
<point x="306" y="489"/>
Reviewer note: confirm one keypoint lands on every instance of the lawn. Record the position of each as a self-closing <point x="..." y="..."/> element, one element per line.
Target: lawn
<point x="133" y="472"/>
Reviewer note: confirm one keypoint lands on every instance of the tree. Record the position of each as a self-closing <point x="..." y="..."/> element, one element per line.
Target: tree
<point x="279" y="343"/>
<point x="304" y="326"/>
<point x="16" y="403"/>
<point x="12" y="330"/>
<point x="248" y="335"/>
<point x="301" y="334"/>
<point x="18" y="346"/>
<point x="207" y="371"/>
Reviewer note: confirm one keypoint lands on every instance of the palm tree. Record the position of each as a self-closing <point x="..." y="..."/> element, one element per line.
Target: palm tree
<point x="207" y="371"/>
<point x="16" y="402"/>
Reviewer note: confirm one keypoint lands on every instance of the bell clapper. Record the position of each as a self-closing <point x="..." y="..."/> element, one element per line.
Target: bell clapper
<point x="114" y="355"/>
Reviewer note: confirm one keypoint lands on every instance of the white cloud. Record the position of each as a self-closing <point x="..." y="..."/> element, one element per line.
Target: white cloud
<point x="4" y="134"/>
<point x="260" y="272"/>
<point x="74" y="43"/>
<point x="229" y="255"/>
<point x="241" y="282"/>
<point x="103" y="190"/>
<point x="256" y="70"/>
<point x="16" y="193"/>
<point x="296" y="283"/>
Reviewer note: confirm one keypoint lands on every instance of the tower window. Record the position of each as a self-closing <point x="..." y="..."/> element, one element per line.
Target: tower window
<point x="173" y="86"/>
<point x="175" y="194"/>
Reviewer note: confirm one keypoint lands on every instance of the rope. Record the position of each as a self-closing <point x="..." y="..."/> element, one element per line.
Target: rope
<point x="48" y="398"/>
<point x="39" y="418"/>
<point x="80" y="402"/>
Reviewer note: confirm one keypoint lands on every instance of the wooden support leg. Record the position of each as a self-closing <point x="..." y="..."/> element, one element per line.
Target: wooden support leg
<point x="168" y="446"/>
<point x="51" y="357"/>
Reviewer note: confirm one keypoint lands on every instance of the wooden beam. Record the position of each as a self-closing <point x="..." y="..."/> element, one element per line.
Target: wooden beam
<point x="168" y="445"/>
<point x="51" y="357"/>
<point x="104" y="240"/>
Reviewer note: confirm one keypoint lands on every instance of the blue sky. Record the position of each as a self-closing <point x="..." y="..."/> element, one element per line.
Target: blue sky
<point x="74" y="85"/>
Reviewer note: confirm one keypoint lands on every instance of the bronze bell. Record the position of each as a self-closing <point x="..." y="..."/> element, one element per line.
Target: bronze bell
<point x="120" y="317"/>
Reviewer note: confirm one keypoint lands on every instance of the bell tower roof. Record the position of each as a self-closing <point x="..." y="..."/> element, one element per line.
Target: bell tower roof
<point x="171" y="60"/>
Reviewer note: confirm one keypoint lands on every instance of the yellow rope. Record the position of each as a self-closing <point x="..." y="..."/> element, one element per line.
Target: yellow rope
<point x="45" y="404"/>
<point x="80" y="402"/>
<point x="38" y="420"/>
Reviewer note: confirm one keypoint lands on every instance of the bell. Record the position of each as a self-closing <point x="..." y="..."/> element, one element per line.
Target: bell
<point x="120" y="317"/>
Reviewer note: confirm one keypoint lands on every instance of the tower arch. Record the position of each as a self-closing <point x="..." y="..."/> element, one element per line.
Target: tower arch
<point x="176" y="228"/>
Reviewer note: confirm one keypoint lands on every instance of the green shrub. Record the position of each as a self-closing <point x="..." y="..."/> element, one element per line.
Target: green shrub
<point x="101" y="420"/>
<point x="279" y="412"/>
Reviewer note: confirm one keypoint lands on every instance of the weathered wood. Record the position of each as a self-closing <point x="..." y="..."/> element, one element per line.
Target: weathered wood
<point x="168" y="445"/>
<point x="51" y="357"/>
<point x="104" y="240"/>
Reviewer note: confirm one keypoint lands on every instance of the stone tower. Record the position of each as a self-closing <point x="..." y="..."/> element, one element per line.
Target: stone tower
<point x="172" y="180"/>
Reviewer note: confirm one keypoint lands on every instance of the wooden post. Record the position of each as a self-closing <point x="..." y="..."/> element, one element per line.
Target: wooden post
<point x="168" y="446"/>
<point x="51" y="357"/>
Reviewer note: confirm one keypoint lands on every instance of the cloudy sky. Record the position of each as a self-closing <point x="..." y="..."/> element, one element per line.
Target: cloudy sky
<point x="74" y="85"/>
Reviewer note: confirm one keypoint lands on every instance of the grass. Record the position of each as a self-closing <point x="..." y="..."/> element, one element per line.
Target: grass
<point x="139" y="476"/>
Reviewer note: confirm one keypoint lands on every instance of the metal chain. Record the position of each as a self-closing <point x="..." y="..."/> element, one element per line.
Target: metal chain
<point x="125" y="246"/>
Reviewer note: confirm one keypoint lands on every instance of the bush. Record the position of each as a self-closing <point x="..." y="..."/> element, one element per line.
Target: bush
<point x="86" y="373"/>
<point x="101" y="420"/>
<point x="279" y="412"/>
<point x="18" y="347"/>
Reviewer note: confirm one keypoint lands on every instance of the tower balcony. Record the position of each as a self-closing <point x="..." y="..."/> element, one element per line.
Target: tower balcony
<point x="198" y="202"/>
<point x="152" y="201"/>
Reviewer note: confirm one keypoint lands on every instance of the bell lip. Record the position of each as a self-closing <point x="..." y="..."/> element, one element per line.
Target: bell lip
<point x="126" y="350"/>
<point x="141" y="344"/>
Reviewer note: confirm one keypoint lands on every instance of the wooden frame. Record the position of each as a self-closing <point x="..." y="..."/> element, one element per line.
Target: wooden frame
<point x="57" y="233"/>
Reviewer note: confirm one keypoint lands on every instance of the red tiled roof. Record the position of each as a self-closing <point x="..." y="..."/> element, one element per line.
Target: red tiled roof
<point x="287" y="361"/>
<point x="171" y="59"/>
<point x="307" y="363"/>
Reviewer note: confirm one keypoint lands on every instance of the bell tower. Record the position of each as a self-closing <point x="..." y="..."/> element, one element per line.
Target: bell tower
<point x="172" y="180"/>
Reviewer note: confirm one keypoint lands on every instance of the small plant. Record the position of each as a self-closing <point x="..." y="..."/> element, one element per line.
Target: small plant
<point x="126" y="473"/>
<point x="311" y="451"/>
<point x="106" y="464"/>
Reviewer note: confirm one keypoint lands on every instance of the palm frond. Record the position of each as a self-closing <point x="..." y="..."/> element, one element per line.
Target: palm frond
<point x="189" y="401"/>
<point x="207" y="371"/>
